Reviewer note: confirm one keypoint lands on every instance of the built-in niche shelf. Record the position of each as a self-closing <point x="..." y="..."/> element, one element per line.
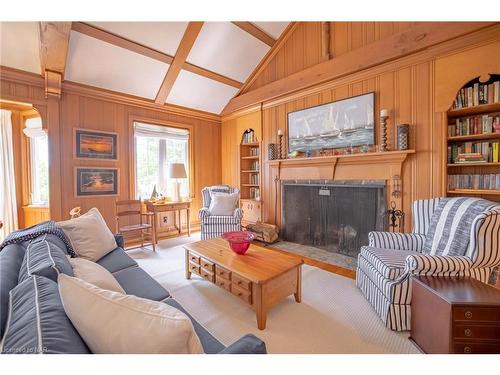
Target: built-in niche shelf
<point x="471" y="129"/>
<point x="250" y="177"/>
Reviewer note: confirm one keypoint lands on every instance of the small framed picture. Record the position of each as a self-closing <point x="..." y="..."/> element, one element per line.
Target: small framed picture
<point x="91" y="144"/>
<point x="91" y="182"/>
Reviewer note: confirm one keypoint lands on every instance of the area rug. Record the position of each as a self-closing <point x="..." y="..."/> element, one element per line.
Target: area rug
<point x="333" y="317"/>
<point x="316" y="253"/>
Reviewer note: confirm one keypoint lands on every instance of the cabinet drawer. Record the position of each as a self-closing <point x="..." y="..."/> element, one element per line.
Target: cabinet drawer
<point x="193" y="267"/>
<point x="242" y="294"/>
<point x="207" y="275"/>
<point x="476" y="332"/>
<point x="476" y="314"/>
<point x="241" y="282"/>
<point x="222" y="272"/>
<point x="194" y="258"/>
<point x="223" y="283"/>
<point x="475" y="348"/>
<point x="206" y="264"/>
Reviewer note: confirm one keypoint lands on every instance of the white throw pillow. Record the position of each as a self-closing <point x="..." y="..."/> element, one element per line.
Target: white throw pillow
<point x="223" y="204"/>
<point x="115" y="323"/>
<point x="89" y="235"/>
<point x="95" y="274"/>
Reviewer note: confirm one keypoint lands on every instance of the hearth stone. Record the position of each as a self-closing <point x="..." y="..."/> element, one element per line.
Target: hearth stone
<point x="332" y="215"/>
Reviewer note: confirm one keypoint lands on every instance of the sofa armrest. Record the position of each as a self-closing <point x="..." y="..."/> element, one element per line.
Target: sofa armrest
<point x="119" y="240"/>
<point x="203" y="213"/>
<point x="396" y="241"/>
<point x="437" y="265"/>
<point x="248" y="344"/>
<point x="238" y="213"/>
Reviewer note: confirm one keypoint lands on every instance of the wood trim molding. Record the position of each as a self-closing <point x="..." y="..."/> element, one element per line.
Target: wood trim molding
<point x="113" y="96"/>
<point x="256" y="32"/>
<point x="187" y="42"/>
<point x="242" y="112"/>
<point x="382" y="51"/>
<point x="269" y="56"/>
<point x="106" y="36"/>
<point x="21" y="76"/>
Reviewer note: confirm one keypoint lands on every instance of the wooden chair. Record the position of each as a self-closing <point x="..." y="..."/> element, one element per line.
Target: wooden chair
<point x="132" y="209"/>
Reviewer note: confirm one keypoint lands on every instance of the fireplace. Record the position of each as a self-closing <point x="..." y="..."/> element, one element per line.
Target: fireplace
<point x="332" y="215"/>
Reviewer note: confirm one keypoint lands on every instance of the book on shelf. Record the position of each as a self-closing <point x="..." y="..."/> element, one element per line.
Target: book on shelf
<point x="474" y="181"/>
<point x="474" y="125"/>
<point x="248" y="137"/>
<point x="473" y="152"/>
<point x="254" y="179"/>
<point x="477" y="94"/>
<point x="255" y="193"/>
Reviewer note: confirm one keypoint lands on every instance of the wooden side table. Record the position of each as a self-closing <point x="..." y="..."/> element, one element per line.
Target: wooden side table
<point x="455" y="315"/>
<point x="175" y="207"/>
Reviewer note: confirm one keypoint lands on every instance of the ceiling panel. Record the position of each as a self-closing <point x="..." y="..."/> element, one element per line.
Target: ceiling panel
<point x="273" y="29"/>
<point x="226" y="49"/>
<point x="20" y="46"/>
<point x="162" y="36"/>
<point x="97" y="63"/>
<point x="194" y="91"/>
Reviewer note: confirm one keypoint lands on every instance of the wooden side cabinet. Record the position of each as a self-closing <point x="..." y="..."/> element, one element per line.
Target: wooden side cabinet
<point x="451" y="315"/>
<point x="251" y="210"/>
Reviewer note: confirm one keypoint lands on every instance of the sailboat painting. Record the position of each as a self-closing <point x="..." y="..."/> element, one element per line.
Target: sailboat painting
<point x="344" y="123"/>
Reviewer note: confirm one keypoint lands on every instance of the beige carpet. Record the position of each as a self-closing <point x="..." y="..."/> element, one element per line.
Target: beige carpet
<point x="332" y="318"/>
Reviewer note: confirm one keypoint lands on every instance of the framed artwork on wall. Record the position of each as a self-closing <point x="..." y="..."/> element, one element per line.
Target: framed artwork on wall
<point x="92" y="181"/>
<point x="92" y="144"/>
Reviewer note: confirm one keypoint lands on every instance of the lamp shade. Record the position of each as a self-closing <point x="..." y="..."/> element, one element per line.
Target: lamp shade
<point x="176" y="170"/>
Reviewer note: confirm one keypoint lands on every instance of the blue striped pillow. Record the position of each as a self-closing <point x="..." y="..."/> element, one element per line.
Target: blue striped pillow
<point x="450" y="225"/>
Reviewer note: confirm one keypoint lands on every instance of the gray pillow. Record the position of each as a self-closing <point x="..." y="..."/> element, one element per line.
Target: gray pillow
<point x="37" y="322"/>
<point x="45" y="257"/>
<point x="223" y="204"/>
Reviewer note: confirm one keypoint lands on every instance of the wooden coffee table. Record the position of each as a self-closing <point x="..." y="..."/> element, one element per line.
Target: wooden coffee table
<point x="261" y="278"/>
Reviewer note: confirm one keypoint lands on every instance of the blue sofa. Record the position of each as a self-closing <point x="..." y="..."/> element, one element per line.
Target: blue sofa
<point x="61" y="337"/>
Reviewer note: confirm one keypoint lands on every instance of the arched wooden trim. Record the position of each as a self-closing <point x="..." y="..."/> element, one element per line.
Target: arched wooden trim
<point x="456" y="70"/>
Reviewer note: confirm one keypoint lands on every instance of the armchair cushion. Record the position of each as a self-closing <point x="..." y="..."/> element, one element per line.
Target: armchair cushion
<point x="389" y="263"/>
<point x="437" y="265"/>
<point x="223" y="204"/>
<point x="398" y="241"/>
<point x="450" y="226"/>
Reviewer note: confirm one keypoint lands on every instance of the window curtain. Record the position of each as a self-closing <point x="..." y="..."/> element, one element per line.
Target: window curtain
<point x="8" y="203"/>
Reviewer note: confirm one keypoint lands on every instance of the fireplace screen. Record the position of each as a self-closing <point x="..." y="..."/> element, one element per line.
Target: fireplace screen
<point x="333" y="216"/>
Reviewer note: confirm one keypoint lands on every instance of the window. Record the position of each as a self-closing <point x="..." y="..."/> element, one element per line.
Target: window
<point x="156" y="147"/>
<point x="39" y="161"/>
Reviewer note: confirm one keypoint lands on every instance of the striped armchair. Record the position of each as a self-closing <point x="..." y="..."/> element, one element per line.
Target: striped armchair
<point x="215" y="225"/>
<point x="386" y="264"/>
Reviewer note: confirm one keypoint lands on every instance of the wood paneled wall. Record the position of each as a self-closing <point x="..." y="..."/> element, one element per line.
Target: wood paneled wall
<point x="303" y="47"/>
<point x="410" y="87"/>
<point x="83" y="110"/>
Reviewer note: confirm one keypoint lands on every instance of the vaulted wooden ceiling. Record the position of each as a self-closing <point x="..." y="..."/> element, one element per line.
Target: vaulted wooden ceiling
<point x="199" y="65"/>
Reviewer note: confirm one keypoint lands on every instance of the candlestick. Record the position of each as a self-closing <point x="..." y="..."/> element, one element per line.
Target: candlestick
<point x="384" y="115"/>
<point x="280" y="145"/>
<point x="280" y="132"/>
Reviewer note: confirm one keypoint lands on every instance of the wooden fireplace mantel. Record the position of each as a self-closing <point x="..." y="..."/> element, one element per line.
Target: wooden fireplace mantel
<point x="369" y="166"/>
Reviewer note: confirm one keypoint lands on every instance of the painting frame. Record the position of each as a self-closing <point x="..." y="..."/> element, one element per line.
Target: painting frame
<point x="366" y="130"/>
<point x="81" y="179"/>
<point x="82" y="142"/>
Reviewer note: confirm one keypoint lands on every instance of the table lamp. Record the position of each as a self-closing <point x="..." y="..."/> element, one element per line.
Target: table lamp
<point x="177" y="170"/>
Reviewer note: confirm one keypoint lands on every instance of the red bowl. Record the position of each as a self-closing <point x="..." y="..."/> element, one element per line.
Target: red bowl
<point x="239" y="241"/>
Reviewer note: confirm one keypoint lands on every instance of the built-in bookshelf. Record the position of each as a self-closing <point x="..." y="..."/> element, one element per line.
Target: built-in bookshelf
<point x="473" y="141"/>
<point x="250" y="177"/>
